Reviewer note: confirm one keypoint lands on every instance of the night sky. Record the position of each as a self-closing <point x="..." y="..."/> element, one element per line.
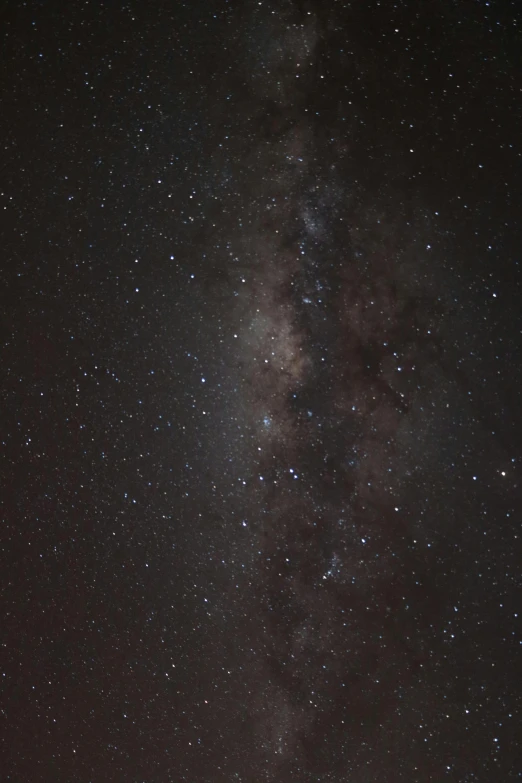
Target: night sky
<point x="261" y="391"/>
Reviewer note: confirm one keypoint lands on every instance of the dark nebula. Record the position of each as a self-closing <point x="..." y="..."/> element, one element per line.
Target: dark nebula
<point x="261" y="394"/>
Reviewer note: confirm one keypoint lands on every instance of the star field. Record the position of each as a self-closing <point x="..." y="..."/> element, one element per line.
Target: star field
<point x="261" y="392"/>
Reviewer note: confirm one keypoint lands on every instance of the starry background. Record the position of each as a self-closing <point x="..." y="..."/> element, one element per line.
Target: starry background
<point x="261" y="391"/>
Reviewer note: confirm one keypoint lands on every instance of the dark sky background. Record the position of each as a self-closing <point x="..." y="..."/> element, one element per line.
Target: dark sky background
<point x="261" y="391"/>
